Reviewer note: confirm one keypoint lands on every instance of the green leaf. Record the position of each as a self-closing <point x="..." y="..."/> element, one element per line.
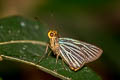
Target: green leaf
<point x="1" y="78"/>
<point x="24" y="40"/>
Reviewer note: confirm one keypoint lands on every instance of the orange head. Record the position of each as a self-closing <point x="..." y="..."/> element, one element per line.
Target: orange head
<point x="52" y="34"/>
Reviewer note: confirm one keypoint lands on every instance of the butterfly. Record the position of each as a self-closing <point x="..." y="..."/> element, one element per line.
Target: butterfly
<point x="73" y="52"/>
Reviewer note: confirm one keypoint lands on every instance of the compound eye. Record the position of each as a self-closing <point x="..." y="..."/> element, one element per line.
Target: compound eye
<point x="51" y="34"/>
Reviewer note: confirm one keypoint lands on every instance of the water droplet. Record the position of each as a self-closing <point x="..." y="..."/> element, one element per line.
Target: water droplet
<point x="86" y="69"/>
<point x="21" y="51"/>
<point x="24" y="47"/>
<point x="18" y="31"/>
<point x="21" y="56"/>
<point x="22" y="24"/>
<point x="34" y="59"/>
<point x="1" y="27"/>
<point x="37" y="27"/>
<point x="9" y="31"/>
<point x="59" y="63"/>
<point x="24" y="55"/>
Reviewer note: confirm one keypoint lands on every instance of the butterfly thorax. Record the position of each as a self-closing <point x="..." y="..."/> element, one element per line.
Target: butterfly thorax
<point x="54" y="45"/>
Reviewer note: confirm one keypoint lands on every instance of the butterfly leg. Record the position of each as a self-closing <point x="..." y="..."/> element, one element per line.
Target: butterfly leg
<point x="57" y="58"/>
<point x="63" y="64"/>
<point x="46" y="50"/>
<point x="49" y="52"/>
<point x="56" y="61"/>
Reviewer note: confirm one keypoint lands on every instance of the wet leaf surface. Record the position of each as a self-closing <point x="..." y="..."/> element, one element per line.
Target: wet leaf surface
<point x="16" y="29"/>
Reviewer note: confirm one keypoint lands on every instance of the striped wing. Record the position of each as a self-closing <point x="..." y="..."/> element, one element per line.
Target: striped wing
<point x="76" y="53"/>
